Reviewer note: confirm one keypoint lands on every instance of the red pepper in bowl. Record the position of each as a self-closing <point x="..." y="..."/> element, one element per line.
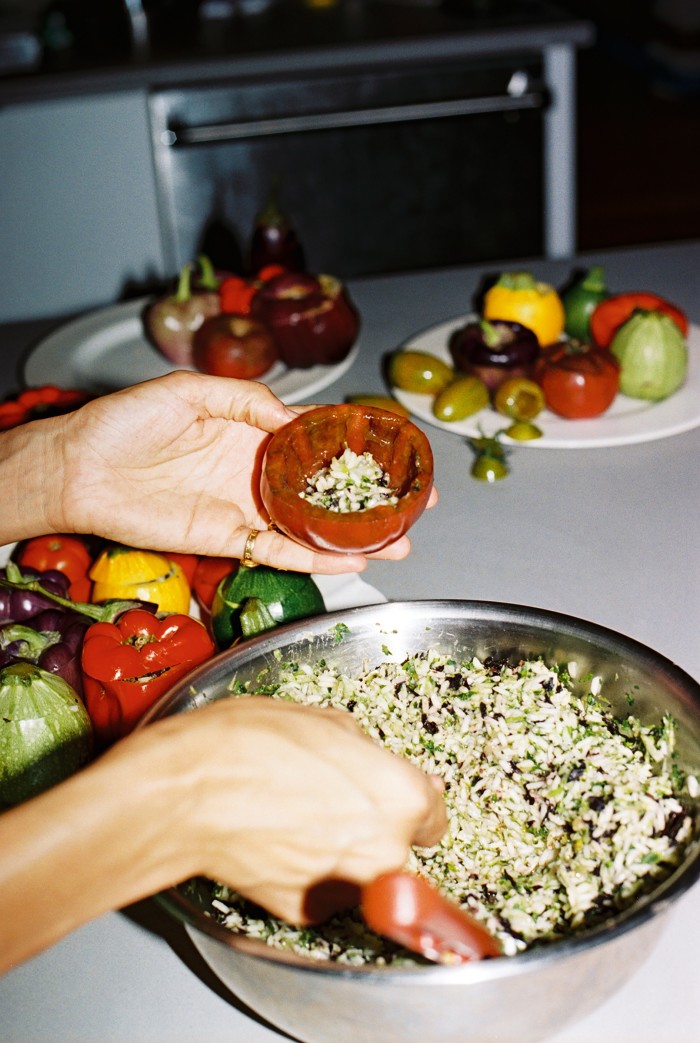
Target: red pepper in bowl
<point x="127" y="665"/>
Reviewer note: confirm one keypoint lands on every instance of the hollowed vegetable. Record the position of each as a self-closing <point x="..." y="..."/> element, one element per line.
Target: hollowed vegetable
<point x="311" y="441"/>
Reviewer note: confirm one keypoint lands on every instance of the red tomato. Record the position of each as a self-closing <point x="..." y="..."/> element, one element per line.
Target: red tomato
<point x="610" y="314"/>
<point x="579" y="382"/>
<point x="67" y="554"/>
<point x="233" y="346"/>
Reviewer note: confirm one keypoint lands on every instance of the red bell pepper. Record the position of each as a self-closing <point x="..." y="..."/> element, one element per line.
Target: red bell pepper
<point x="236" y="295"/>
<point x="129" y="664"/>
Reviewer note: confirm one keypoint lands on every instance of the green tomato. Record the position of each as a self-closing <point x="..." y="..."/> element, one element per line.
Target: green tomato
<point x="523" y="431"/>
<point x="490" y="458"/>
<point x="419" y="372"/>
<point x="519" y="398"/>
<point x="462" y="397"/>
<point x="653" y="355"/>
<point x="489" y="469"/>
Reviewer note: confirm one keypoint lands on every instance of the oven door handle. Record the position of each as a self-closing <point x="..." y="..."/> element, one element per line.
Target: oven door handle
<point x="515" y="99"/>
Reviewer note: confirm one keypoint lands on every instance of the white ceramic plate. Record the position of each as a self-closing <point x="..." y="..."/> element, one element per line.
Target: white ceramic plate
<point x="628" y="420"/>
<point x="106" y="350"/>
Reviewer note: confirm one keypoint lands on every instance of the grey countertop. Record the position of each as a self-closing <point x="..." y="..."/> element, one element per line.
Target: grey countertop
<point x="607" y="534"/>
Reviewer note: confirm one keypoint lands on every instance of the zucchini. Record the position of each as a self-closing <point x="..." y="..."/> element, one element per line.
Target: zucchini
<point x="250" y="601"/>
<point x="45" y="731"/>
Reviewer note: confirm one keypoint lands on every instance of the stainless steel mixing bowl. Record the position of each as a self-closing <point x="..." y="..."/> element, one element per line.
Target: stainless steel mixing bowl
<point x="522" y="998"/>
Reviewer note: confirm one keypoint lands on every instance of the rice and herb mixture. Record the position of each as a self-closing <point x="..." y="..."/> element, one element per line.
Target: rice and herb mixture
<point x="559" y="812"/>
<point x="350" y="482"/>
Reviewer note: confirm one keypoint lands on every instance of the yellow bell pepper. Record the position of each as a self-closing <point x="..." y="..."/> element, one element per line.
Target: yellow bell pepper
<point x="518" y="297"/>
<point x="128" y="573"/>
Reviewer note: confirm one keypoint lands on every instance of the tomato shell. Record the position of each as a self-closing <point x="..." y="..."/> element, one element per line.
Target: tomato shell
<point x="609" y="315"/>
<point x="68" y="554"/>
<point x="578" y="382"/>
<point x="300" y="448"/>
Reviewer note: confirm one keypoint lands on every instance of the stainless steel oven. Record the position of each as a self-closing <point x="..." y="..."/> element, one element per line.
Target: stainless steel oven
<point x="408" y="166"/>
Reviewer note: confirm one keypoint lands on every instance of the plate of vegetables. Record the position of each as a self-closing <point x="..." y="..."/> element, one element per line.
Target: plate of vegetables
<point x="584" y="369"/>
<point x="107" y="349"/>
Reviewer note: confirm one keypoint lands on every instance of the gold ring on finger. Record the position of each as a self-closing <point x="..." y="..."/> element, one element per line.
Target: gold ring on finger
<point x="247" y="558"/>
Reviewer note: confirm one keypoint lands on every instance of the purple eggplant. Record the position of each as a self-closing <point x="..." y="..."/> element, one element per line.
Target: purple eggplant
<point x="274" y="239"/>
<point x="19" y="603"/>
<point x="52" y="640"/>
<point x="494" y="350"/>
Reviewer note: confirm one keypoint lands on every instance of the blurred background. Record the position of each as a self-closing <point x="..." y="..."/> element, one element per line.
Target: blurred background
<point x="400" y="134"/>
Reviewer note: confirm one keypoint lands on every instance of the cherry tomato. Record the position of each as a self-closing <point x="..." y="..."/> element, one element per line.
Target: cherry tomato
<point x="490" y="458"/>
<point x="579" y="381"/>
<point x="519" y="398"/>
<point x="523" y="431"/>
<point x="67" y="554"/>
<point x="418" y="371"/>
<point x="609" y="315"/>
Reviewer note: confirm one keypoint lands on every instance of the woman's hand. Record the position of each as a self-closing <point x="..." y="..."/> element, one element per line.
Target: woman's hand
<point x="275" y="799"/>
<point x="290" y="804"/>
<point x="173" y="464"/>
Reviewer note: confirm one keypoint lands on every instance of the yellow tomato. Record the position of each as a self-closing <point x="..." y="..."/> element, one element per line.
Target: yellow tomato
<point x="518" y="297"/>
<point x="128" y="573"/>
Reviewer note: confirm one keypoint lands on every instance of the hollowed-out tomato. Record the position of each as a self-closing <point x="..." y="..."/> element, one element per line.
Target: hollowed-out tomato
<point x="311" y="441"/>
<point x="578" y="381"/>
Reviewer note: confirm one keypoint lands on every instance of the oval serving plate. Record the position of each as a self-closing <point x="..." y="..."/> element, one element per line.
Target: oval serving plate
<point x="628" y="421"/>
<point x="106" y="350"/>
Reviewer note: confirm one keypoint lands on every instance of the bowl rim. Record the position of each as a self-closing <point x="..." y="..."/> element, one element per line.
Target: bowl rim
<point x="648" y="906"/>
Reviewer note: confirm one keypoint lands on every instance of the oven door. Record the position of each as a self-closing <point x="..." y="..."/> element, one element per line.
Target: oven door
<point x="379" y="171"/>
